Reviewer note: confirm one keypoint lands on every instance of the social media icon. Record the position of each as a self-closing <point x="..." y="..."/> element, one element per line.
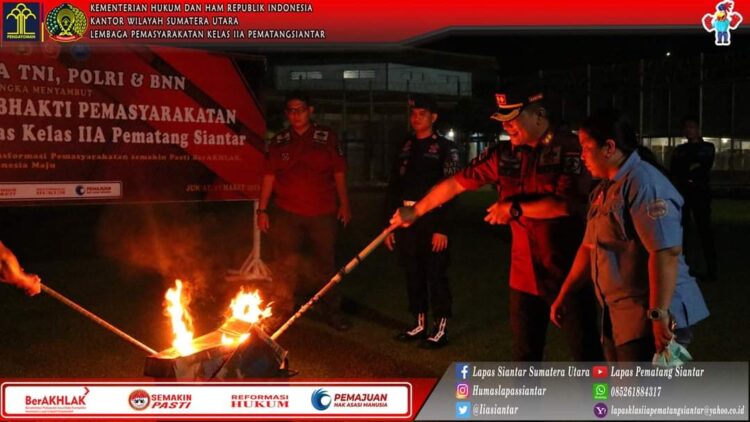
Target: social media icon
<point x="462" y="371"/>
<point x="599" y="371"/>
<point x="600" y="391"/>
<point x="463" y="410"/>
<point x="601" y="410"/>
<point x="462" y="391"/>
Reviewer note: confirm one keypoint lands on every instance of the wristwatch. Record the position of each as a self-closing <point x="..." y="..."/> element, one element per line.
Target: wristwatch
<point x="260" y="211"/>
<point x="656" y="314"/>
<point x="515" y="210"/>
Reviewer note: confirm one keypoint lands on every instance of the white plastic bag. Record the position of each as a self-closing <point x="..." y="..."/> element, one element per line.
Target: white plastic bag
<point x="674" y="355"/>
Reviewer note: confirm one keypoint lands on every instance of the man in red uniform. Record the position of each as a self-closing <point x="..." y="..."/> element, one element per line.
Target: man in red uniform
<point x="305" y="172"/>
<point x="542" y="190"/>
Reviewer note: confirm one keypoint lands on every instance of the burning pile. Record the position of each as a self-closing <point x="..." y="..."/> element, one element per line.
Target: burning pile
<point x="211" y="355"/>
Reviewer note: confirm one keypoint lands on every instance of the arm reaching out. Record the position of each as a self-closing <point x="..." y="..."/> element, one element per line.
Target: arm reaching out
<point x="12" y="273"/>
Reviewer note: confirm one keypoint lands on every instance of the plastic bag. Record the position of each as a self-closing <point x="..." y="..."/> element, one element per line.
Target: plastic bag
<point x="674" y="355"/>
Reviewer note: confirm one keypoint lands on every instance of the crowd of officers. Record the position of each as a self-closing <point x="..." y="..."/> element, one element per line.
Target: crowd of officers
<point x="593" y="219"/>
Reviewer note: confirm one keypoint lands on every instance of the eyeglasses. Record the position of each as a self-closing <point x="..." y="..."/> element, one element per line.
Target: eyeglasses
<point x="297" y="110"/>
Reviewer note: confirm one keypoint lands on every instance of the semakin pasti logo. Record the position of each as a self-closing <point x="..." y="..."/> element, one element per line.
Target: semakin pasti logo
<point x="139" y="399"/>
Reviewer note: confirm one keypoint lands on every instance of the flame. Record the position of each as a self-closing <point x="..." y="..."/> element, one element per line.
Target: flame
<point x="246" y="306"/>
<point x="182" y="323"/>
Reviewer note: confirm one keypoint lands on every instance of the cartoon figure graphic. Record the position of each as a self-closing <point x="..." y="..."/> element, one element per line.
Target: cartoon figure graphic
<point x="722" y="21"/>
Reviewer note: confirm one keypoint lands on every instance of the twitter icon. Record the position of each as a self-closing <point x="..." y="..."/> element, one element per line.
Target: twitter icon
<point x="463" y="410"/>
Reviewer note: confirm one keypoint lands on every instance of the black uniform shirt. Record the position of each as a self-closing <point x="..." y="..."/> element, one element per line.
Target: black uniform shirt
<point x="691" y="165"/>
<point x="422" y="163"/>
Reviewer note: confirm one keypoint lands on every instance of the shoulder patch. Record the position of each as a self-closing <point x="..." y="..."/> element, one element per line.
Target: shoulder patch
<point x="657" y="209"/>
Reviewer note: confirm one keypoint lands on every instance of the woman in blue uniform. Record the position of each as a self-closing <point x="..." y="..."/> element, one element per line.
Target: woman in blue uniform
<point x="632" y="247"/>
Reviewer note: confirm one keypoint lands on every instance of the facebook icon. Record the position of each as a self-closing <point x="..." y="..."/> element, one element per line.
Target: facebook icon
<point x="462" y="371"/>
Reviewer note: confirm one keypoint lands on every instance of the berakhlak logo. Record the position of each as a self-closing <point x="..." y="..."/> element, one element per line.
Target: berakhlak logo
<point x="22" y="21"/>
<point x="721" y="22"/>
<point x="599" y="371"/>
<point x="320" y="399"/>
<point x="601" y="410"/>
<point x="139" y="399"/>
<point x="66" y="23"/>
<point x="462" y="370"/>
<point x="463" y="410"/>
<point x="462" y="391"/>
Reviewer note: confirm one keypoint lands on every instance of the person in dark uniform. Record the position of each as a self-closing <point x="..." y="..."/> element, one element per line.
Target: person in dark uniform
<point x="12" y="273"/>
<point x="542" y="189"/>
<point x="305" y="172"/>
<point x="425" y="159"/>
<point x="691" y="173"/>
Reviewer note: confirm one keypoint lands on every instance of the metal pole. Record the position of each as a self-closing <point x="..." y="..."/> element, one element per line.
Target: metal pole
<point x="335" y="280"/>
<point x="78" y="308"/>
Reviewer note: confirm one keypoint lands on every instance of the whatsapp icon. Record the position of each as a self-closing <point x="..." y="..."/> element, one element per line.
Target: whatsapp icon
<point x="600" y="391"/>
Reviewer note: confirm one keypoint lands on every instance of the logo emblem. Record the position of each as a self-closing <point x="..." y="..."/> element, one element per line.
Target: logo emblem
<point x="599" y="371"/>
<point x="462" y="391"/>
<point x="721" y="22"/>
<point x="463" y="410"/>
<point x="600" y="390"/>
<point x="320" y="399"/>
<point x="462" y="371"/>
<point x="66" y="23"/>
<point x="139" y="400"/>
<point x="601" y="410"/>
<point x="657" y="209"/>
<point x="501" y="99"/>
<point x="22" y="22"/>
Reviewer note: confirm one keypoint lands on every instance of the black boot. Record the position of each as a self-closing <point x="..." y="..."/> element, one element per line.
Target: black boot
<point x="439" y="336"/>
<point x="415" y="333"/>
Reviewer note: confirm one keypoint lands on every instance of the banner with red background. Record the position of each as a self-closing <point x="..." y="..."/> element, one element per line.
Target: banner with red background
<point x="125" y="124"/>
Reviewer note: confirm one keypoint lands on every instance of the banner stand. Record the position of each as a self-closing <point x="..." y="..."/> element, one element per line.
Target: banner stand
<point x="253" y="269"/>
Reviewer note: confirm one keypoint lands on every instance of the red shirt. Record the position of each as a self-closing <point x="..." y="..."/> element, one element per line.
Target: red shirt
<point x="304" y="166"/>
<point x="542" y="249"/>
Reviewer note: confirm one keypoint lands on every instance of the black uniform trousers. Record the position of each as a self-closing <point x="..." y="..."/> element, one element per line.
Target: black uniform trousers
<point x="426" y="282"/>
<point x="698" y="206"/>
<point x="529" y="318"/>
<point x="303" y="259"/>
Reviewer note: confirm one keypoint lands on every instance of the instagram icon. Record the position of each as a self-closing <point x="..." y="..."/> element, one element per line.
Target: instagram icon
<point x="462" y="391"/>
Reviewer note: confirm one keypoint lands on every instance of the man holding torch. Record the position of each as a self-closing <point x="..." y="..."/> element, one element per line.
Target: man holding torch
<point x="542" y="189"/>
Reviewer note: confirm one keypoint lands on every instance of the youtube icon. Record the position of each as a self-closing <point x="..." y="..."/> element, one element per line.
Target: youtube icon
<point x="599" y="371"/>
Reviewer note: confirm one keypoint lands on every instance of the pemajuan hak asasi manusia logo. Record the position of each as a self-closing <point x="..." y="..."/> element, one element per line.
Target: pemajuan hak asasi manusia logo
<point x="320" y="399"/>
<point x="22" y="21"/>
<point x="724" y="20"/>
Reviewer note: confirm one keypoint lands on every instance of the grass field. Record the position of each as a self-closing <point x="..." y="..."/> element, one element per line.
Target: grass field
<point x="118" y="261"/>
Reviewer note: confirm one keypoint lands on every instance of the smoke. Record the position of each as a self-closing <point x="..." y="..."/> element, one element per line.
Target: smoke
<point x="196" y="243"/>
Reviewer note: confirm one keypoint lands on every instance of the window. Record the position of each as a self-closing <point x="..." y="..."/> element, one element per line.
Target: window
<point x="359" y="74"/>
<point x="295" y="76"/>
